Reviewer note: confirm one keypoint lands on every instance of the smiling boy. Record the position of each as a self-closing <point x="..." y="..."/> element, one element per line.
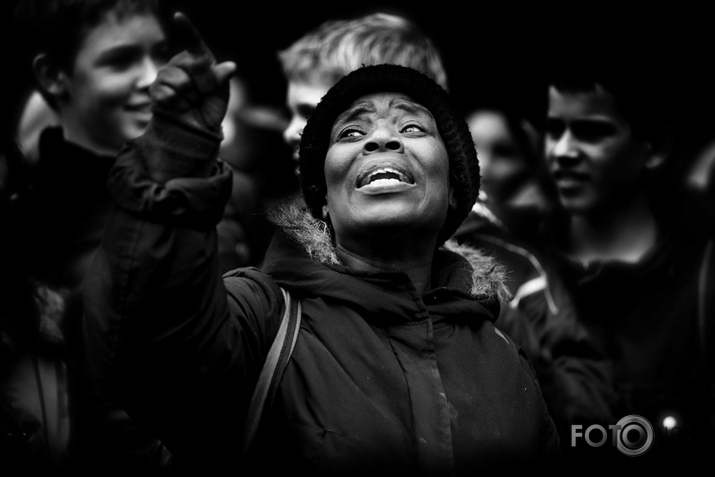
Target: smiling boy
<point x="93" y="62"/>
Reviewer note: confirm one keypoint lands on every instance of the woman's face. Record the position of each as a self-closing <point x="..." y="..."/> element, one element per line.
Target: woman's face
<point x="106" y="100"/>
<point x="387" y="170"/>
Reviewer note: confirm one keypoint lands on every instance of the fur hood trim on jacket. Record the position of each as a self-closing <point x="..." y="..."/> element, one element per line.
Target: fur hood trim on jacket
<point x="488" y="275"/>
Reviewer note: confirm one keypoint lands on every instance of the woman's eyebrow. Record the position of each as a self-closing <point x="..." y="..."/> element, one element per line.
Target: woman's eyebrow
<point x="356" y="111"/>
<point x="367" y="107"/>
<point x="408" y="106"/>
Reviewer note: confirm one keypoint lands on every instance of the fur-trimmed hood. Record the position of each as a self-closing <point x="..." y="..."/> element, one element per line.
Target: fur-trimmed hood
<point x="486" y="274"/>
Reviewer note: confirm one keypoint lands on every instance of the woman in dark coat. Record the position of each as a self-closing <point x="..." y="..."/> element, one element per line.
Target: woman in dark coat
<point x="398" y="368"/>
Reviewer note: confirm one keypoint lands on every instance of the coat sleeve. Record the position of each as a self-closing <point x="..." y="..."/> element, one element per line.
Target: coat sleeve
<point x="164" y="338"/>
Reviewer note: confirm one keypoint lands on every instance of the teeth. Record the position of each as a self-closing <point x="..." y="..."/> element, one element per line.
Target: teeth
<point x="386" y="174"/>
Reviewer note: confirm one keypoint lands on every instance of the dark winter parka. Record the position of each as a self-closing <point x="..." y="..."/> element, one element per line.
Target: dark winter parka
<point x="382" y="380"/>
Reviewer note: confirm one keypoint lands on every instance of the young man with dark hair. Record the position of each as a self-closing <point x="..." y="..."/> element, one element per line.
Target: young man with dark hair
<point x="638" y="270"/>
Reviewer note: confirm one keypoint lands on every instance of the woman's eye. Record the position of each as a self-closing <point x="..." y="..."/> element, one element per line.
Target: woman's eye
<point x="410" y="128"/>
<point x="350" y="133"/>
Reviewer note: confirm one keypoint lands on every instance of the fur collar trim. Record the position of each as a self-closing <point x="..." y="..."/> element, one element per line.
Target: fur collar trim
<point x="487" y="274"/>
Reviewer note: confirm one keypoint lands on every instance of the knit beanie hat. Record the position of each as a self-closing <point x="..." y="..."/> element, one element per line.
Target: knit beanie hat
<point x="451" y="124"/>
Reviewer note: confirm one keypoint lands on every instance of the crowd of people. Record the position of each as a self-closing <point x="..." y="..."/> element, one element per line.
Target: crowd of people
<point x="483" y="286"/>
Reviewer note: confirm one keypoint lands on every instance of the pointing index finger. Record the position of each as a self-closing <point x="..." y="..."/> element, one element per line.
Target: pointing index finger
<point x="188" y="36"/>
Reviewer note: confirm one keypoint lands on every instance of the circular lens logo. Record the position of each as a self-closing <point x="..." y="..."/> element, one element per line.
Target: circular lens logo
<point x="635" y="435"/>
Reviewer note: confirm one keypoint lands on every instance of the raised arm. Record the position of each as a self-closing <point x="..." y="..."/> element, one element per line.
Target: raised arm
<point x="192" y="85"/>
<point x="163" y="338"/>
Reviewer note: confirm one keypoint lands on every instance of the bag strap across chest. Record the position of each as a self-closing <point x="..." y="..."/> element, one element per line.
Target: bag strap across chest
<point x="275" y="364"/>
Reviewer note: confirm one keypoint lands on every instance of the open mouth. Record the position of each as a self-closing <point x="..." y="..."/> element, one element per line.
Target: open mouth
<point x="384" y="175"/>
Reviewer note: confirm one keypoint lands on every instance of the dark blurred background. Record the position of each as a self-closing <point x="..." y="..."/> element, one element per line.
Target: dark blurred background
<point x="497" y="50"/>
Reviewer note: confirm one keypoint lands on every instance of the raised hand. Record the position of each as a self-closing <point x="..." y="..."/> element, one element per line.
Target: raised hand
<point x="192" y="85"/>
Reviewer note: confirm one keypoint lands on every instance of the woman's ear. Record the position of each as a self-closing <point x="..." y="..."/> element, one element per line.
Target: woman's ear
<point x="452" y="197"/>
<point x="51" y="77"/>
<point x="326" y="210"/>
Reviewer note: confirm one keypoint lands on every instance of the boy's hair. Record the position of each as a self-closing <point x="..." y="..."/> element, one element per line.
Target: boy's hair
<point x="643" y="96"/>
<point x="642" y="93"/>
<point x="58" y="27"/>
<point x="337" y="47"/>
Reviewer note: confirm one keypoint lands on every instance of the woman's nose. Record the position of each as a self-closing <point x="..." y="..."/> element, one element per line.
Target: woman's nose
<point x="384" y="139"/>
